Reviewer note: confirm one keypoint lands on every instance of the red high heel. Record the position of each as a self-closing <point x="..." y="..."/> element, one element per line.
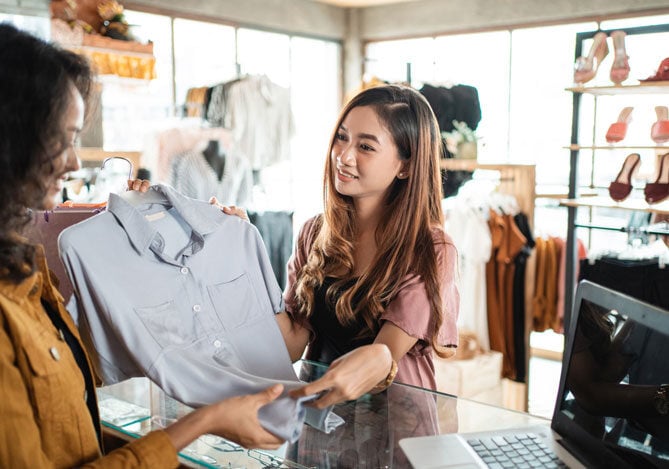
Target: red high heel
<point x="618" y="129"/>
<point x="620" y="69"/>
<point x="659" y="132"/>
<point x="659" y="190"/>
<point x="586" y="67"/>
<point x="621" y="187"/>
<point x="662" y="73"/>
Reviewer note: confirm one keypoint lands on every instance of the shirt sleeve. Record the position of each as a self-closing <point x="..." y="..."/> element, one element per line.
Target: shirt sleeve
<point x="410" y="309"/>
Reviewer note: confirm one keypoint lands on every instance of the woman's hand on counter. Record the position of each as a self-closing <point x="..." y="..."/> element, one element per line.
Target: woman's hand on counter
<point x="350" y="376"/>
<point x="231" y="209"/>
<point x="235" y="419"/>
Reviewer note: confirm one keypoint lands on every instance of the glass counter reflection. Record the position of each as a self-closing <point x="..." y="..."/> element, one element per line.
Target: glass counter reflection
<point x="374" y="424"/>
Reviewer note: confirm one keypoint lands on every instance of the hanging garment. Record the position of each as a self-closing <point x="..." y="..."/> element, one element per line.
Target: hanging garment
<point x="582" y="253"/>
<point x="176" y="290"/>
<point x="519" y="277"/>
<point x="276" y="230"/>
<point x="194" y="177"/>
<point x="196" y="101"/>
<point x="544" y="302"/>
<point x="468" y="227"/>
<point x="259" y="114"/>
<point x="507" y="242"/>
<point x="642" y="279"/>
<point x="217" y="109"/>
<point x="459" y="102"/>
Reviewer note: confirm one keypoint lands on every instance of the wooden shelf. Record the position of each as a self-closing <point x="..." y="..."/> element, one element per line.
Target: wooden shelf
<point x="617" y="147"/>
<point x="455" y="164"/>
<point x="651" y="87"/>
<point x="560" y="192"/>
<point x="629" y="204"/>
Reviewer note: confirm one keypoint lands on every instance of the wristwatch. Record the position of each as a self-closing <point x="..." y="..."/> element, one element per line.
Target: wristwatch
<point x="661" y="400"/>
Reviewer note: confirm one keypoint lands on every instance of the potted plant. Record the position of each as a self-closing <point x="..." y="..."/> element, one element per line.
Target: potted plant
<point x="462" y="141"/>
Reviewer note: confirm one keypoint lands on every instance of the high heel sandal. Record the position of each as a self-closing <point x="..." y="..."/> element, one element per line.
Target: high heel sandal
<point x="662" y="73"/>
<point x="657" y="191"/>
<point x="586" y="67"/>
<point x="621" y="187"/>
<point x="620" y="69"/>
<point x="618" y="129"/>
<point x="659" y="132"/>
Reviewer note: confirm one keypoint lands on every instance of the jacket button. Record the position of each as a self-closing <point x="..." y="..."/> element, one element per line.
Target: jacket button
<point x="54" y="353"/>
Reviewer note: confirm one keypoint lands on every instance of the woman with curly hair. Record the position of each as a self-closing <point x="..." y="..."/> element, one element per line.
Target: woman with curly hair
<point x="48" y="409"/>
<point x="371" y="285"/>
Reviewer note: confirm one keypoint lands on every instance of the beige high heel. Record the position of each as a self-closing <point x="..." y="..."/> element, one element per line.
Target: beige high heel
<point x="620" y="69"/>
<point x="586" y="67"/>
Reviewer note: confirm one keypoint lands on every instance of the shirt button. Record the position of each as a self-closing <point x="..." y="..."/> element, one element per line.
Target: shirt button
<point x="197" y="308"/>
<point x="217" y="343"/>
<point x="54" y="353"/>
<point x="184" y="270"/>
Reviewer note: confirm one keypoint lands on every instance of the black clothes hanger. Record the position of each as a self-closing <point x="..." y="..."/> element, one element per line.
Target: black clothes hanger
<point x="215" y="157"/>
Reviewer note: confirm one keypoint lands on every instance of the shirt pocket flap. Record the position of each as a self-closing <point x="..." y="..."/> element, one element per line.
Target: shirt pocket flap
<point x="43" y="356"/>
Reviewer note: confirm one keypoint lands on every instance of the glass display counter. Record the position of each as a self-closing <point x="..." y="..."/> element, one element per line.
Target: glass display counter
<point x="370" y="437"/>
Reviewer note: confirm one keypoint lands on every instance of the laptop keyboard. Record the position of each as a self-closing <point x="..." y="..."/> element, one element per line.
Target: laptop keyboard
<point x="515" y="451"/>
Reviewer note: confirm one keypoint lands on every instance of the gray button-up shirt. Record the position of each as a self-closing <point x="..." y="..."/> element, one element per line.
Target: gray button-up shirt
<point x="171" y="288"/>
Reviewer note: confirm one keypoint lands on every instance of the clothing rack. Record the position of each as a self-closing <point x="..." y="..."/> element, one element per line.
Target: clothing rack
<point x="518" y="180"/>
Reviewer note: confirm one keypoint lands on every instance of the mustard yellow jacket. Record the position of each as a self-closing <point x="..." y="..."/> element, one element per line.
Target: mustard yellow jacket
<point x="44" y="421"/>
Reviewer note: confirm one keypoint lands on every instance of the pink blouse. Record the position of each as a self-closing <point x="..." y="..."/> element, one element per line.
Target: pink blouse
<point x="409" y="310"/>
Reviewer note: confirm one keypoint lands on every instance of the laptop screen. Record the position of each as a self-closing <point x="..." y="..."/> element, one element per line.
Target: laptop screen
<point x="611" y="402"/>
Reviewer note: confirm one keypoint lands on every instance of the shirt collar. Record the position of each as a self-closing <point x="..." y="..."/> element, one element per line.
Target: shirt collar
<point x="196" y="213"/>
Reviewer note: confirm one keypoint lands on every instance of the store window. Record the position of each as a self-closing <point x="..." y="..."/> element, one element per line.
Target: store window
<point x="130" y="106"/>
<point x="157" y="29"/>
<point x="482" y="61"/>
<point x="408" y="60"/>
<point x="37" y="25"/>
<point x="315" y="84"/>
<point x="204" y="55"/>
<point x="263" y="53"/>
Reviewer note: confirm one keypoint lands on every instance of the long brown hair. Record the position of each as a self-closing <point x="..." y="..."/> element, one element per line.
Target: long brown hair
<point x="36" y="80"/>
<point x="405" y="235"/>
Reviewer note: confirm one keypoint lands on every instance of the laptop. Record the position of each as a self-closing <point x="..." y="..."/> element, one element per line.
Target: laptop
<point x="611" y="407"/>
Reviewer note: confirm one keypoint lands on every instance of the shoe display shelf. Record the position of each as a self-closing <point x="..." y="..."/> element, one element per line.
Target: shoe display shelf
<point x="576" y="199"/>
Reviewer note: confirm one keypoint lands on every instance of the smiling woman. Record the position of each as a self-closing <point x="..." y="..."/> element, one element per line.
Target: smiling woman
<point x="376" y="269"/>
<point x="44" y="367"/>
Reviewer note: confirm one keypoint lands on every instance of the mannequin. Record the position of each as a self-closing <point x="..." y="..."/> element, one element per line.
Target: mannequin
<point x="215" y="157"/>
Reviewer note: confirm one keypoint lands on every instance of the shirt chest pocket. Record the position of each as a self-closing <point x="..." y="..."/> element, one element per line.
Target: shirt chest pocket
<point x="236" y="303"/>
<point x="166" y="325"/>
<point x="49" y="378"/>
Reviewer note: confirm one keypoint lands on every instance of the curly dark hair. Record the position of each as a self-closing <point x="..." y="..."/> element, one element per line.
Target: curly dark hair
<point x="35" y="83"/>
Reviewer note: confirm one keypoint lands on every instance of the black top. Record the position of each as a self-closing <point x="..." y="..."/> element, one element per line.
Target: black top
<point x="333" y="339"/>
<point x="80" y="358"/>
